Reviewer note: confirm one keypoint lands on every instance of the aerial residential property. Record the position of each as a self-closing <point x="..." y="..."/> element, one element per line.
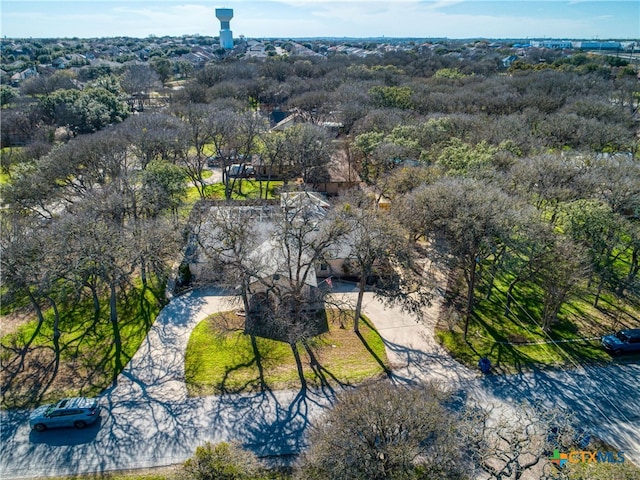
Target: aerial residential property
<point x="320" y="240"/>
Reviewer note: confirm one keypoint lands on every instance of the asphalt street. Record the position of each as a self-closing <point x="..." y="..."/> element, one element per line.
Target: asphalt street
<point x="148" y="420"/>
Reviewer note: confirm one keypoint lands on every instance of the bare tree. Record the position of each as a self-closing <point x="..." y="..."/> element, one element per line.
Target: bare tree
<point x="273" y="162"/>
<point x="517" y="440"/>
<point x="549" y="180"/>
<point x="308" y="150"/>
<point x="559" y="275"/>
<point x="472" y="218"/>
<point x="381" y="251"/>
<point x="139" y="78"/>
<point x="27" y="270"/>
<point x="382" y="431"/>
<point x="196" y="116"/>
<point x="301" y="238"/>
<point x="227" y="235"/>
<point x="156" y="136"/>
<point x="234" y="133"/>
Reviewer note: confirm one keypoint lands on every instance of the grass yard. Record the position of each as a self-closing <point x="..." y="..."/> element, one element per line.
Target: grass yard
<point x="245" y="190"/>
<point x="221" y="358"/>
<point x="87" y="357"/>
<point x="160" y="473"/>
<point x="602" y="471"/>
<point x="516" y="343"/>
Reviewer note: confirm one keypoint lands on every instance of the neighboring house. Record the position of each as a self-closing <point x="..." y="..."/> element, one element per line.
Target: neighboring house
<point x="508" y="61"/>
<point x="296" y="116"/>
<point x="289" y="121"/>
<point x="276" y="116"/>
<point x="19" y="77"/>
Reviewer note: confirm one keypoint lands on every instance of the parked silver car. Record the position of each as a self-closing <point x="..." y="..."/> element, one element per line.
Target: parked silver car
<point x="70" y="412"/>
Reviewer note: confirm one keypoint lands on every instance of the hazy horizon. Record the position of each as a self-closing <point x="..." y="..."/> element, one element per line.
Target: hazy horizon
<point x="305" y="19"/>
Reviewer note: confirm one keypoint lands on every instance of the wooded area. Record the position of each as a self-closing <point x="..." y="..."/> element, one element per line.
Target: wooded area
<point x="524" y="180"/>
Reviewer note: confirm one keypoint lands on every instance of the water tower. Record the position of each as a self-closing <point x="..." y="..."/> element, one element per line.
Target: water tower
<point x="226" y="36"/>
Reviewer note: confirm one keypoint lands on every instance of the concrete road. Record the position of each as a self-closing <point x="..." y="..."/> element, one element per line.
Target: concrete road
<point x="604" y="399"/>
<point x="148" y="420"/>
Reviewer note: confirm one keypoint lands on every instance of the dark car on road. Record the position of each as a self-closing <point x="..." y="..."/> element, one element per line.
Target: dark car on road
<point x="70" y="412"/>
<point x="625" y="341"/>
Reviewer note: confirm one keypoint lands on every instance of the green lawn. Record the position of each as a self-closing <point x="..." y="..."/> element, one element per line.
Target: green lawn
<point x="502" y="338"/>
<point x="221" y="358"/>
<point x="160" y="473"/>
<point x="87" y="358"/>
<point x="602" y="471"/>
<point x="163" y="473"/>
<point x="245" y="190"/>
<point x="250" y="191"/>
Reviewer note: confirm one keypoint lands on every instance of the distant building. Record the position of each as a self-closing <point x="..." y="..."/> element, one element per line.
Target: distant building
<point x="553" y="44"/>
<point x="508" y="61"/>
<point x="600" y="45"/>
<point x="16" y="78"/>
<point x="226" y="36"/>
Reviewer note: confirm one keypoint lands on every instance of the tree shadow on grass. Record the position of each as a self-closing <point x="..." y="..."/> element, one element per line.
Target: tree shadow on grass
<point x="256" y="360"/>
<point x="384" y="366"/>
<point x="86" y="362"/>
<point x="506" y="353"/>
<point x="322" y="372"/>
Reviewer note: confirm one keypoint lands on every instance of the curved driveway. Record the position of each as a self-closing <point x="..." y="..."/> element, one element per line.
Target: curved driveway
<point x="148" y="420"/>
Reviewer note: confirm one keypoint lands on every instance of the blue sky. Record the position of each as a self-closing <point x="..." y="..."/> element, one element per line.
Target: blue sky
<point x="312" y="18"/>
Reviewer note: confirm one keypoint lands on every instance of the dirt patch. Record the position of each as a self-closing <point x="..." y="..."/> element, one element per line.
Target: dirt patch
<point x="11" y="322"/>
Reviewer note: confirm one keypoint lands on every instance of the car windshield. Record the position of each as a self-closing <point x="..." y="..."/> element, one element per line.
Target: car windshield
<point x="622" y="336"/>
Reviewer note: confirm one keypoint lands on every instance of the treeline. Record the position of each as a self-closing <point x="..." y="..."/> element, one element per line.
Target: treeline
<point x="530" y="173"/>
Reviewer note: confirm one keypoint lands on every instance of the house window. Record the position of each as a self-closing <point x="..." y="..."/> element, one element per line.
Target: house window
<point x="324" y="267"/>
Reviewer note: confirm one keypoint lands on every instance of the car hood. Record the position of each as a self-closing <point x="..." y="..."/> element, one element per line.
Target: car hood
<point x="39" y="412"/>
<point x="611" y="340"/>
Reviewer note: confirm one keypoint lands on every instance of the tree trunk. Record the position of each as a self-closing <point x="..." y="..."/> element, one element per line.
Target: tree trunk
<point x="143" y="273"/>
<point x="296" y="355"/>
<point x="266" y="188"/>
<point x="633" y="271"/>
<point x="117" y="340"/>
<point x="361" y="288"/>
<point x="56" y="336"/>
<point x="497" y="262"/>
<point x="256" y="354"/>
<point x="96" y="302"/>
<point x="471" y="285"/>
<point x="40" y="316"/>
<point x="598" y="292"/>
<point x="512" y="285"/>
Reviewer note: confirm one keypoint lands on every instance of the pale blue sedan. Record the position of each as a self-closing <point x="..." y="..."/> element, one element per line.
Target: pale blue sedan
<point x="75" y="412"/>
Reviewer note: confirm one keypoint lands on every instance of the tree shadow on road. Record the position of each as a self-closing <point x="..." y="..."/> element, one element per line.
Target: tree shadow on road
<point x="414" y="365"/>
<point x="604" y="399"/>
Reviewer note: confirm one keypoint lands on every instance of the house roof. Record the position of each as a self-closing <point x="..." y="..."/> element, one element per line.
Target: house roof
<point x="309" y="202"/>
<point x="271" y="259"/>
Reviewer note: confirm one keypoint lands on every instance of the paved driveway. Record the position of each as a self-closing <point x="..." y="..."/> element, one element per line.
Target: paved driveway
<point x="148" y="419"/>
